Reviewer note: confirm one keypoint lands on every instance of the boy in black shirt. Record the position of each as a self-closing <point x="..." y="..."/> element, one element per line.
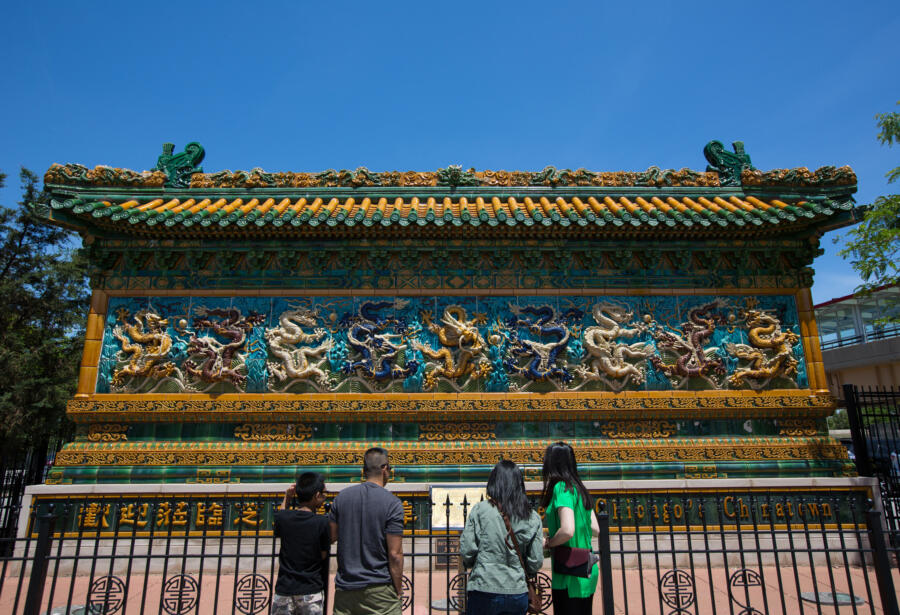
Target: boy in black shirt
<point x="305" y="542"/>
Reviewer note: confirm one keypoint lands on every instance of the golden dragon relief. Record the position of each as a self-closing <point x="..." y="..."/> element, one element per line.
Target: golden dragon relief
<point x="457" y="332"/>
<point x="770" y="353"/>
<point x="146" y="345"/>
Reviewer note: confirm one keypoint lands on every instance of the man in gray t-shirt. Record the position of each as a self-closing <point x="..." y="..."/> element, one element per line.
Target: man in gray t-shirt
<point x="367" y="522"/>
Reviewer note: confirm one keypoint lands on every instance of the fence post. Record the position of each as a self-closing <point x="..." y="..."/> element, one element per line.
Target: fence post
<point x="606" y="586"/>
<point x="860" y="447"/>
<point x="882" y="565"/>
<point x="39" y="564"/>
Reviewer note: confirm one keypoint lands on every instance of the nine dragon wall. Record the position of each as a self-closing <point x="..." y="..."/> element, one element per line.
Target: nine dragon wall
<point x="494" y="344"/>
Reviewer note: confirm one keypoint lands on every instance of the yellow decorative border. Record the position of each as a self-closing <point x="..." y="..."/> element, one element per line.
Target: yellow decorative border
<point x="273" y="432"/>
<point x="447" y="453"/>
<point x="434" y="432"/>
<point x="450" y="407"/>
<point x="625" y="429"/>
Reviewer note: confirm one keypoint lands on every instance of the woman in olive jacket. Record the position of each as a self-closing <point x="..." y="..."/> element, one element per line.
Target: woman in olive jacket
<point x="496" y="585"/>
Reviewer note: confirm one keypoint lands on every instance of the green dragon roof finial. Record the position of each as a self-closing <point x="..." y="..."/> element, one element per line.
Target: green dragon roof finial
<point x="179" y="167"/>
<point x="728" y="165"/>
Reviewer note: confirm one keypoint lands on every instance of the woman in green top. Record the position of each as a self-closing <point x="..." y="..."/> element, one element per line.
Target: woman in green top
<point x="570" y="522"/>
<point x="497" y="584"/>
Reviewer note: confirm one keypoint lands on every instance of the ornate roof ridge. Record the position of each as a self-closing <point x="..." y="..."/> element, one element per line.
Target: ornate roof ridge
<point x="180" y="171"/>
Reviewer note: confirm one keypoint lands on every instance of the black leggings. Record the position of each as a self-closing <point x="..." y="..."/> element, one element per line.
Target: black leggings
<point x="564" y="605"/>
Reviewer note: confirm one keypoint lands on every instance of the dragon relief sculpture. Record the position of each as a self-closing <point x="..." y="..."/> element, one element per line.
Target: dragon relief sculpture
<point x="541" y="357"/>
<point x="608" y="359"/>
<point x="217" y="362"/>
<point x="770" y="353"/>
<point x="367" y="335"/>
<point x="693" y="359"/>
<point x="458" y="332"/>
<point x="145" y="347"/>
<point x="298" y="362"/>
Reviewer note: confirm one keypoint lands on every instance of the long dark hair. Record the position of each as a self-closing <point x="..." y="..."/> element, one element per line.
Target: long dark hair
<point x="506" y="487"/>
<point x="559" y="465"/>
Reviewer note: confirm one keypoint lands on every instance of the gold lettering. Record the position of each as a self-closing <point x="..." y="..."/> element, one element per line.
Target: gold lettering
<point x="180" y="515"/>
<point x="409" y="515"/>
<point x="134" y="515"/>
<point x="248" y="514"/>
<point x="209" y="515"/>
<point x="93" y="516"/>
<point x="727" y="502"/>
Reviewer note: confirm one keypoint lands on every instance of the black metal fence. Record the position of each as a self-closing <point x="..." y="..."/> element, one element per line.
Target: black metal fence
<point x="674" y="553"/>
<point x="874" y="415"/>
<point x="18" y="469"/>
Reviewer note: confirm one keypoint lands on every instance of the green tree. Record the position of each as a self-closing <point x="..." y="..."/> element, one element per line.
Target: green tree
<point x="872" y="246"/>
<point x="43" y="306"/>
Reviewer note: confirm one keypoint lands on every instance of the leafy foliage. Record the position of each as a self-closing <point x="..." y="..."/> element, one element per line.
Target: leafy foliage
<point x="872" y="247"/>
<point x="43" y="305"/>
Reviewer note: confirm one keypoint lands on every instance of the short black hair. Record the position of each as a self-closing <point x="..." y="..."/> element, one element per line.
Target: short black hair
<point x="308" y="485"/>
<point x="374" y="460"/>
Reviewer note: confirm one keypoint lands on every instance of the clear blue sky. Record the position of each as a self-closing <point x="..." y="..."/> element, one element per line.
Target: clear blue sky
<point x="305" y="86"/>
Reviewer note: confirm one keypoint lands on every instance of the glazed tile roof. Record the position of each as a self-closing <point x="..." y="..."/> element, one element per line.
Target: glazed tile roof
<point x="211" y="213"/>
<point x="176" y="199"/>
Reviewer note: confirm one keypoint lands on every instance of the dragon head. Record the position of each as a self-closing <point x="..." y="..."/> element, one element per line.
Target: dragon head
<point x="757" y="318"/>
<point x="152" y="320"/>
<point x="615" y="312"/>
<point x="304" y="316"/>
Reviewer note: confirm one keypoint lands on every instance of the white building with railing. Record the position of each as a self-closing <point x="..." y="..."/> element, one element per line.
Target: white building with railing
<point x="856" y="347"/>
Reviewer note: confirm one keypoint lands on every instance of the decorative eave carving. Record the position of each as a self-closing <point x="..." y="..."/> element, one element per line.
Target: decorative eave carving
<point x="801" y="177"/>
<point x="180" y="171"/>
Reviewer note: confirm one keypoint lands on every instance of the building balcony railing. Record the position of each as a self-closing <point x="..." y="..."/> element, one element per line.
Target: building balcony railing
<point x="889" y="331"/>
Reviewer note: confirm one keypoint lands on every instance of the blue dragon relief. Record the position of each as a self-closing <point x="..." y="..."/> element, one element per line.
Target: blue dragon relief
<point x="540" y="357"/>
<point x="372" y="343"/>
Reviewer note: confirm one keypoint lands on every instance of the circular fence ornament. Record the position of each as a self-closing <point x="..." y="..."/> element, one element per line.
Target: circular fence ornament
<point x="545" y="586"/>
<point x="676" y="588"/>
<point x="180" y="594"/>
<point x="456" y="592"/>
<point x="739" y="586"/>
<point x="106" y="596"/>
<point x="252" y="594"/>
<point x="407" y="593"/>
